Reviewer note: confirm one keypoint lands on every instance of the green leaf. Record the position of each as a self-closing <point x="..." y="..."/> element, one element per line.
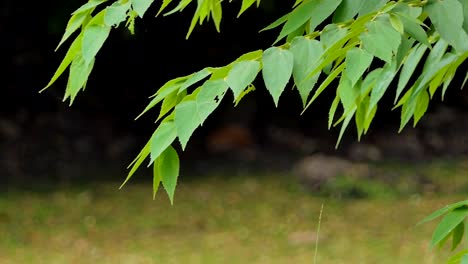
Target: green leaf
<point x="144" y="153"/>
<point x="360" y="117"/>
<point x="164" y="4"/>
<point x="325" y="84"/>
<point x="241" y="75"/>
<point x="79" y="73"/>
<point x="371" y="6"/>
<point x="458" y="235"/>
<point x="323" y="9"/>
<point x="403" y="50"/>
<point x="464" y="259"/>
<point x="162" y="138"/>
<point x="169" y="171"/>
<point x="94" y="37"/>
<point x="413" y="28"/>
<point x="88" y="6"/>
<point x="369" y="82"/>
<point x="253" y="55"/>
<point x="194" y="78"/>
<point x="456" y="259"/>
<point x="346" y="121"/>
<point x="447" y="17"/>
<point x="74" y="23"/>
<point x="170" y="102"/>
<point x="306" y="53"/>
<point x="277" y="69"/>
<point x="381" y="40"/>
<point x="348" y="93"/>
<point x="140" y="6"/>
<point x="216" y="13"/>
<point x="448" y="79"/>
<point x="331" y="112"/>
<point x="448" y="223"/>
<point x="347" y="10"/>
<point x="245" y="5"/>
<point x="421" y="106"/>
<point x="182" y="4"/>
<point x="465" y="14"/>
<point x="166" y="90"/>
<point x="249" y="89"/>
<point x="443" y="210"/>
<point x="277" y="23"/>
<point x="316" y="10"/>
<point x="195" y="108"/>
<point x="431" y="71"/>
<point x="357" y="61"/>
<point x="156" y="177"/>
<point x="397" y="24"/>
<point x="331" y="34"/>
<point x="384" y="80"/>
<point x="116" y="13"/>
<point x="73" y="51"/>
<point x="410" y="64"/>
<point x="439" y="49"/>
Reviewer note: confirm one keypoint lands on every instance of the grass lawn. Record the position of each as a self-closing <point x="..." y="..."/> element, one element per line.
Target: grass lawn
<point x="242" y="219"/>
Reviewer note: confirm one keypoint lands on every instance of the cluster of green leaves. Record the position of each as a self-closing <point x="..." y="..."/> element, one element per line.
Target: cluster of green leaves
<point x="452" y="225"/>
<point x="94" y="24"/>
<point x="363" y="47"/>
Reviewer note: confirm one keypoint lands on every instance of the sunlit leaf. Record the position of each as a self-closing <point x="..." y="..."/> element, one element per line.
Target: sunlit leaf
<point x="397" y="24"/>
<point x="73" y="51"/>
<point x="194" y="78"/>
<point x="448" y="223"/>
<point x="144" y="153"/>
<point x="74" y="23"/>
<point x="371" y="6"/>
<point x="381" y="40"/>
<point x="94" y="37"/>
<point x="164" y="4"/>
<point x="241" y="75"/>
<point x="277" y="23"/>
<point x="331" y="112"/>
<point x="88" y="6"/>
<point x="332" y="76"/>
<point x="347" y="10"/>
<point x="421" y="106"/>
<point x="317" y="11"/>
<point x="246" y="91"/>
<point x="331" y="34"/>
<point x="458" y="235"/>
<point x="345" y="124"/>
<point x="457" y="258"/>
<point x="306" y="53"/>
<point x="79" y="73"/>
<point x="162" y="138"/>
<point x="216" y="13"/>
<point x="411" y="62"/>
<point x="195" y="108"/>
<point x="169" y="171"/>
<point x="277" y="69"/>
<point x="447" y="17"/>
<point x="140" y="6"/>
<point x="116" y="13"/>
<point x="156" y="177"/>
<point x="383" y="81"/>
<point x="245" y="5"/>
<point x="357" y="62"/>
<point x="413" y="28"/>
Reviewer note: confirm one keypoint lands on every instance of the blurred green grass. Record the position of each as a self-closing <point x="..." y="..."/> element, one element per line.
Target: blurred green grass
<point x="219" y="219"/>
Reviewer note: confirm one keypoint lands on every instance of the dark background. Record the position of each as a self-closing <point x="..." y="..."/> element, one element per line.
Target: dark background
<point x="41" y="137"/>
